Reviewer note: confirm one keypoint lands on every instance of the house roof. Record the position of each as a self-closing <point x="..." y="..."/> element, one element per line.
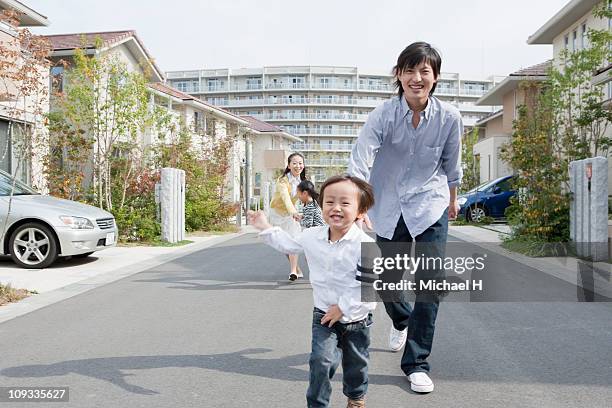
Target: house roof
<point x="259" y="125"/>
<point x="65" y="44"/>
<point x="489" y="117"/>
<point x="165" y="89"/>
<point x="265" y="127"/>
<point x="28" y="17"/>
<point x="568" y="15"/>
<point x="496" y="94"/>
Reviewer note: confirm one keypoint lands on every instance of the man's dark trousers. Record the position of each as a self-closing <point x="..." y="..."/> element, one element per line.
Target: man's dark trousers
<point x="421" y="319"/>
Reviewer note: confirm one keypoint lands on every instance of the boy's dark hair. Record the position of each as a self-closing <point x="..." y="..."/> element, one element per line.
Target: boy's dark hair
<point x="306" y="185"/>
<point x="412" y="56"/>
<point x="366" y="194"/>
<point x="288" y="170"/>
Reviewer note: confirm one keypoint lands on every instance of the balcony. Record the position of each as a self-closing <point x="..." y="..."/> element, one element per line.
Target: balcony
<point x="446" y="91"/>
<point x="327" y="162"/>
<point x="316" y="116"/>
<point x="280" y="85"/>
<point x="377" y="87"/>
<point x="304" y="101"/>
<point x="333" y="85"/>
<point x="318" y="132"/>
<point x="334" y="147"/>
<point x="247" y="87"/>
<point x="472" y="92"/>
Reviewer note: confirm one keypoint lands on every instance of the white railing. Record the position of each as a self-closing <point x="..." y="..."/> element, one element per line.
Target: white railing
<point x="304" y="101"/>
<point x="379" y="87"/>
<point x="315" y="116"/>
<point x="327" y="162"/>
<point x="322" y="147"/>
<point x="311" y="131"/>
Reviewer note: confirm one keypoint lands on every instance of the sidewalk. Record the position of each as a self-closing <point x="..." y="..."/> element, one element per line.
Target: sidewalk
<point x="70" y="277"/>
<point x="568" y="269"/>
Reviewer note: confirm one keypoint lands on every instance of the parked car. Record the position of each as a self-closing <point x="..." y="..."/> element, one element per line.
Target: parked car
<point x="489" y="199"/>
<point x="40" y="228"/>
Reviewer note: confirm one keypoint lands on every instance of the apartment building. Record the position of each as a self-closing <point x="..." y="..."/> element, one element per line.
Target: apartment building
<point x="326" y="106"/>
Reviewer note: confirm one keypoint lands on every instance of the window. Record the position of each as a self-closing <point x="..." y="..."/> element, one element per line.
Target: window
<point x="9" y="155"/>
<point x="583" y="36"/>
<point x="324" y="82"/>
<point x="566" y="42"/>
<point x="253" y="83"/>
<point x="574" y="42"/>
<point x="296" y="82"/>
<point x="214" y="84"/>
<point x="57" y="79"/>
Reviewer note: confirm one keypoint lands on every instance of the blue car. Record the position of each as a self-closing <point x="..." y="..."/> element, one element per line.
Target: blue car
<point x="489" y="199"/>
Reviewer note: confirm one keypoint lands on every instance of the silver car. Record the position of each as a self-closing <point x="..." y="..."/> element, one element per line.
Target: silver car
<point x="40" y="228"/>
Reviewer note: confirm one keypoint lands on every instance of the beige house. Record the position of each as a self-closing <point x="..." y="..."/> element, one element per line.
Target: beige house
<point x="204" y="121"/>
<point x="496" y="129"/>
<point x="270" y="147"/>
<point x="125" y="45"/>
<point x="21" y="111"/>
<point x="567" y="30"/>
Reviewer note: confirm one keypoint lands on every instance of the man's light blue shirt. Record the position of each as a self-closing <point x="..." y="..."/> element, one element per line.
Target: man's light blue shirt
<point x="412" y="169"/>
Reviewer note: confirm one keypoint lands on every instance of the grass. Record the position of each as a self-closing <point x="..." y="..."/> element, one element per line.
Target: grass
<point x="9" y="294"/>
<point x="155" y="243"/>
<point x="462" y="221"/>
<point x="537" y="249"/>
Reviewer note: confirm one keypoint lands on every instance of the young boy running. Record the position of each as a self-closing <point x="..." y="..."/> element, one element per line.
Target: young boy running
<point x="341" y="322"/>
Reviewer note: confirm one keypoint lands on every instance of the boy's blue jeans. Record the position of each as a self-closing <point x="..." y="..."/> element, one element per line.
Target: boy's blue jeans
<point x="346" y="343"/>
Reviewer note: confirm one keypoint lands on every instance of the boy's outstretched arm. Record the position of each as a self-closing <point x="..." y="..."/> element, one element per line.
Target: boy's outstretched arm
<point x="274" y="236"/>
<point x="259" y="220"/>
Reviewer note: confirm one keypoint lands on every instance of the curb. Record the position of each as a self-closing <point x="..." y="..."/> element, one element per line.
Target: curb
<point x="35" y="302"/>
<point x="558" y="271"/>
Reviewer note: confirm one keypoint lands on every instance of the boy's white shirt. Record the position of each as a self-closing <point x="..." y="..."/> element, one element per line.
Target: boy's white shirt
<point x="332" y="265"/>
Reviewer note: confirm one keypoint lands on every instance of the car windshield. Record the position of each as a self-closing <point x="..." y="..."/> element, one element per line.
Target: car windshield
<point x="481" y="187"/>
<point x="484" y="186"/>
<point x="6" y="185"/>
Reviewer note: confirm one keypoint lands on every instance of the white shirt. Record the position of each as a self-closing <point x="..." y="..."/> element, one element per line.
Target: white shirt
<point x="333" y="267"/>
<point x="293" y="181"/>
<point x="412" y="168"/>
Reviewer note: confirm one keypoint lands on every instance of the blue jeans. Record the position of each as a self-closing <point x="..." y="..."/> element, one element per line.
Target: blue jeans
<point x="330" y="345"/>
<point x="421" y="319"/>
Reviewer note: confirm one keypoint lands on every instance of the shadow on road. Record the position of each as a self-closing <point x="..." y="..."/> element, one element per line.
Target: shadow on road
<point x="112" y="369"/>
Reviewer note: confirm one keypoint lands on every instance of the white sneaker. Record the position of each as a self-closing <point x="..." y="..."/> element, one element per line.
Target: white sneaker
<point x="397" y="338"/>
<point x="420" y="382"/>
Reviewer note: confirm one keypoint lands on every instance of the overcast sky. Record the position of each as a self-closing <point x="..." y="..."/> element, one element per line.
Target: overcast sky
<point x="476" y="37"/>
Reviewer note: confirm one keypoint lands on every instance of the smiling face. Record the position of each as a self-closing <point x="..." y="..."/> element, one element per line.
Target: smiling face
<point x="341" y="206"/>
<point x="417" y="83"/>
<point x="296" y="165"/>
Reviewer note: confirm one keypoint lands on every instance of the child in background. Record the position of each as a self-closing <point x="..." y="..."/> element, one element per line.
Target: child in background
<point x="341" y="321"/>
<point x="311" y="212"/>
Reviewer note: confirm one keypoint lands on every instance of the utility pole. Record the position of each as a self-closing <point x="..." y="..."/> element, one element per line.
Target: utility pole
<point x="247" y="173"/>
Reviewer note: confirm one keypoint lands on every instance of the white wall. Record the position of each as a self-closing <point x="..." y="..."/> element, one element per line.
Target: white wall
<point x="491" y="166"/>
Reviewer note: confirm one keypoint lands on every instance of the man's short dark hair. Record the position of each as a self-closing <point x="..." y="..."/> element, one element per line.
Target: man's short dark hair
<point x="366" y="194"/>
<point x="412" y="56"/>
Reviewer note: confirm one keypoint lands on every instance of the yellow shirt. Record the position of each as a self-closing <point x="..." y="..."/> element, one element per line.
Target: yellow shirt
<point x="283" y="201"/>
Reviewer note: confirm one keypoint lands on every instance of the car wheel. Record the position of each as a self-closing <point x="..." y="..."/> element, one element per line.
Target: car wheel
<point x="85" y="255"/>
<point x="33" y="246"/>
<point x="476" y="213"/>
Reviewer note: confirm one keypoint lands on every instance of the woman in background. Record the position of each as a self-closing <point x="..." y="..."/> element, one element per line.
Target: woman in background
<point x="283" y="205"/>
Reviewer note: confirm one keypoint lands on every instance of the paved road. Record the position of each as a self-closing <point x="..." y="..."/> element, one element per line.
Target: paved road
<point x="222" y="328"/>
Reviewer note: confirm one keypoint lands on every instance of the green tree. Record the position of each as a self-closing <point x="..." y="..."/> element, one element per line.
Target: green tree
<point x="562" y="120"/>
<point x="100" y="117"/>
<point x="470" y="164"/>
